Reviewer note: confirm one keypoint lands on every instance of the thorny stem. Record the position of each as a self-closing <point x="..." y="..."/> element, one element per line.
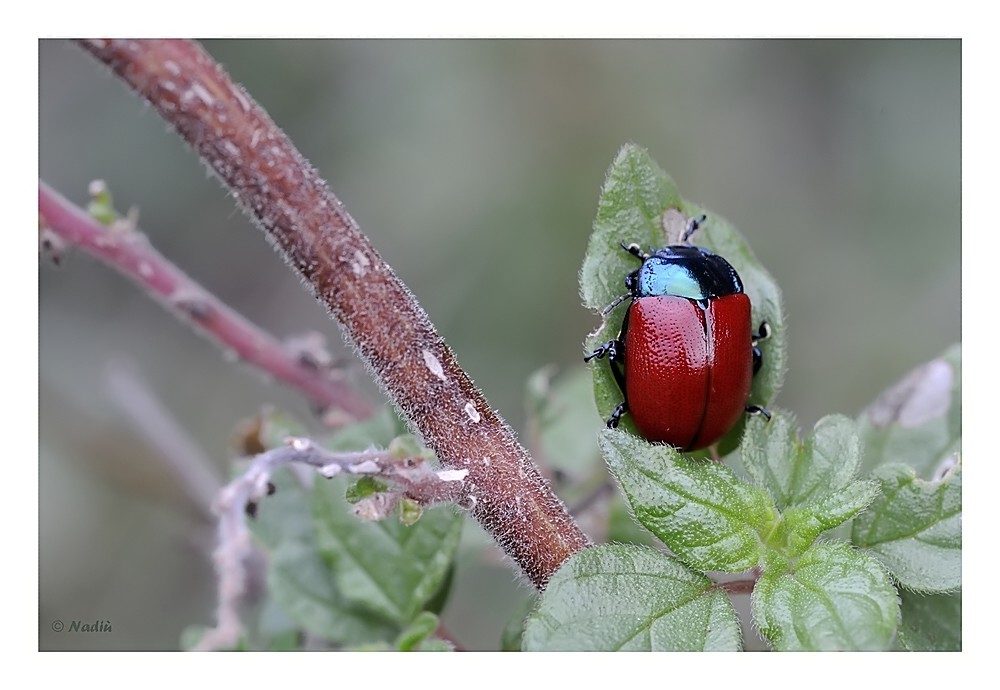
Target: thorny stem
<point x="323" y="244"/>
<point x="414" y="478"/>
<point x="127" y="250"/>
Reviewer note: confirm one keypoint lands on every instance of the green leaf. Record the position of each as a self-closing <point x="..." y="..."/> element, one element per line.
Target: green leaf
<point x="619" y="597"/>
<point x="636" y="192"/>
<point x="915" y="528"/>
<point x="409" y="512"/>
<point x="698" y="508"/>
<point x="513" y="631"/>
<point x="287" y="642"/>
<point x="438" y="600"/>
<point x="422" y="627"/>
<point x="795" y="472"/>
<point x="385" y="566"/>
<point x="623" y="529"/>
<point x="931" y="622"/>
<point x="101" y="207"/>
<point x="834" y="598"/>
<point x="918" y="422"/>
<point x="805" y="523"/>
<point x="637" y="203"/>
<point x="363" y="488"/>
<point x="298" y="579"/>
<point x="273" y="629"/>
<point x="408" y="446"/>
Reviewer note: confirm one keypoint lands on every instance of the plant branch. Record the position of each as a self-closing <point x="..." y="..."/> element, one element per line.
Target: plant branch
<point x="391" y="332"/>
<point x="414" y="478"/>
<point x="124" y="248"/>
<point x="186" y="460"/>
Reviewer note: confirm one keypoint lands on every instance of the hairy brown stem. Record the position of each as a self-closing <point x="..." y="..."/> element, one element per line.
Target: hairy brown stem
<point x="379" y="315"/>
<point x="128" y="251"/>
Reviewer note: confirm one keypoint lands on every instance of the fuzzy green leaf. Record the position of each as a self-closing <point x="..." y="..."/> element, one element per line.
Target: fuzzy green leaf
<point x="931" y="622"/>
<point x="698" y="508"/>
<point x="618" y="597"/>
<point x="386" y="566"/>
<point x="918" y="422"/>
<point x="638" y="203"/>
<point x="834" y="598"/>
<point x="794" y="472"/>
<point x="805" y="523"/>
<point x="915" y="528"/>
<point x="298" y="579"/>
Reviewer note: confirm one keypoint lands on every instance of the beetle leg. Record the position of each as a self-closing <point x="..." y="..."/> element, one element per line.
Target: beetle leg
<point x="692" y="227"/>
<point x="615" y="362"/>
<point x="614" y="350"/>
<point x="757" y="409"/>
<point x="609" y="349"/>
<point x="763" y="333"/>
<point x="617" y="415"/>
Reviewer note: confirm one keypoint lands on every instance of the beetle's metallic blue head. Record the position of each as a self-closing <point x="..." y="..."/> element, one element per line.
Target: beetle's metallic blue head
<point x="684" y="271"/>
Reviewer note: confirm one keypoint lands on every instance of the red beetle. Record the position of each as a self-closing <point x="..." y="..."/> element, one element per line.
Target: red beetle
<point x="686" y="353"/>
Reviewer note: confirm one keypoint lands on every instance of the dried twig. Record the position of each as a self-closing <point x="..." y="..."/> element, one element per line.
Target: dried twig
<point x="413" y="478"/>
<point x="124" y="248"/>
<point x="323" y="244"/>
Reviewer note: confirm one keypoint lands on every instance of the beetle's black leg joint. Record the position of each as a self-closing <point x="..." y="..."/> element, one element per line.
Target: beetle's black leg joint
<point x="609" y="349"/>
<point x="617" y="415"/>
<point x="757" y="409"/>
<point x="763" y="333"/>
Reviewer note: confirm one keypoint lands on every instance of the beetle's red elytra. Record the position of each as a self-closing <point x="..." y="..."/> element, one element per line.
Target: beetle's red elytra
<point x="686" y="354"/>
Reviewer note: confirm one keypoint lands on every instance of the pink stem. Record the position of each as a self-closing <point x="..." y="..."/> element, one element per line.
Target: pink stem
<point x="130" y="253"/>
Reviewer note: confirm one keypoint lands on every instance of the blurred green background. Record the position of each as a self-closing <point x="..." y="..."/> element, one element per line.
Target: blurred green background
<point x="474" y="167"/>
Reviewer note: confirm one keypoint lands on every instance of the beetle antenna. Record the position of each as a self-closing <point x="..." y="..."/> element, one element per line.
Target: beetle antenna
<point x="635" y="250"/>
<point x="692" y="227"/>
<point x="618" y="300"/>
